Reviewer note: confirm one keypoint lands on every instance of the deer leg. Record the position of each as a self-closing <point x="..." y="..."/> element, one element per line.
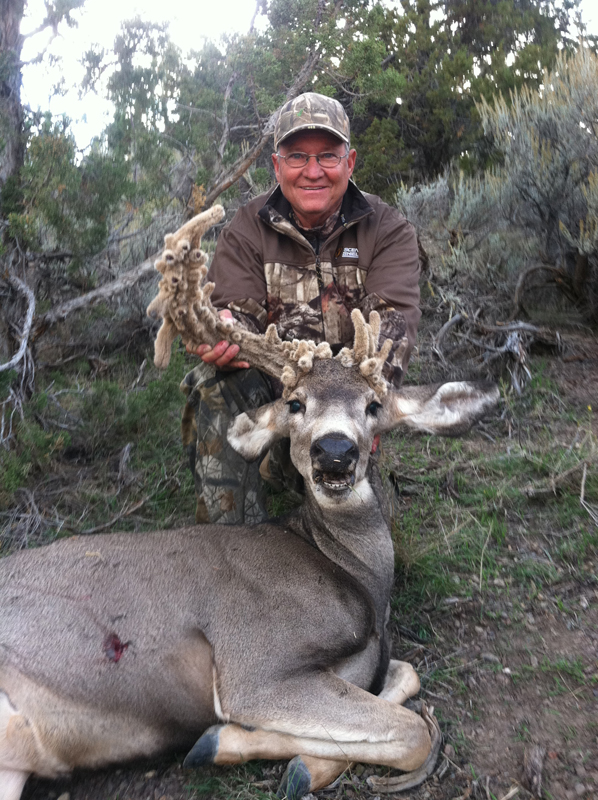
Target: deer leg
<point x="401" y="682"/>
<point x="371" y="729"/>
<point x="12" y="783"/>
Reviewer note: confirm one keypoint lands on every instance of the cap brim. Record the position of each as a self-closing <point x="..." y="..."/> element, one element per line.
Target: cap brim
<point x="312" y="127"/>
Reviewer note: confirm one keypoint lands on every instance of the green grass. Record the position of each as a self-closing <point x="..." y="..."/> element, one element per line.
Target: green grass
<point x="507" y="510"/>
<point x="238" y="781"/>
<point x="76" y="428"/>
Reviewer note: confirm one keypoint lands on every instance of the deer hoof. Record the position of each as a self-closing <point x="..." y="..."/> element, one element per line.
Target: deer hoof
<point x="296" y="780"/>
<point x="205" y="748"/>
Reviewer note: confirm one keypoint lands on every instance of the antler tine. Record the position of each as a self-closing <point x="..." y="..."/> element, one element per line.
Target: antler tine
<point x="365" y="353"/>
<point x="184" y="303"/>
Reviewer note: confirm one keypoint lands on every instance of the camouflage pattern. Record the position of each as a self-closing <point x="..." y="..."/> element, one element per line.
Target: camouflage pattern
<point x="315" y="300"/>
<point x="228" y="489"/>
<point x="311" y="111"/>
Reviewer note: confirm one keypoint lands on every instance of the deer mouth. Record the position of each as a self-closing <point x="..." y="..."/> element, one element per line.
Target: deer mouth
<point x="335" y="481"/>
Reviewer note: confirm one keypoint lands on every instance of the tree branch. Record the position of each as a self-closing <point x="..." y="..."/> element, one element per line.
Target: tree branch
<point x="21" y="287"/>
<point x="225" y="127"/>
<point x="106" y="292"/>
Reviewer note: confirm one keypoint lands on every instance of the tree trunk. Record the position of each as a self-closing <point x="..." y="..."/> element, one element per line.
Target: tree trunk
<point x="11" y="111"/>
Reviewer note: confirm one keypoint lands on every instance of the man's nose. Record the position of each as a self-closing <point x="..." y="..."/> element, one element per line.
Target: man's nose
<point x="312" y="169"/>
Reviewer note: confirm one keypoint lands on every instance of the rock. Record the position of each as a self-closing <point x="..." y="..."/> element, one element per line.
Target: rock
<point x="580" y="770"/>
<point x="583" y="602"/>
<point x="449" y="751"/>
<point x="533" y="660"/>
<point x="65" y="796"/>
<point x="580" y="789"/>
<point x="491" y="658"/>
<point x="151" y="774"/>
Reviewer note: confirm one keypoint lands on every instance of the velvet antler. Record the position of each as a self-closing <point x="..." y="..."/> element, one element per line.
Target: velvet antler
<point x="184" y="303"/>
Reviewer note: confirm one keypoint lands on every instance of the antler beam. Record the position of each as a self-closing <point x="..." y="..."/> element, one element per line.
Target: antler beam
<point x="183" y="301"/>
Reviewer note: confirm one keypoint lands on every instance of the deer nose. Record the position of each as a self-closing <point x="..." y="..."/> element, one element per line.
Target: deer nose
<point x="334" y="453"/>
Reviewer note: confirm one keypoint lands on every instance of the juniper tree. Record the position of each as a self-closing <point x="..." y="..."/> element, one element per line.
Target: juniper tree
<point x="452" y="54"/>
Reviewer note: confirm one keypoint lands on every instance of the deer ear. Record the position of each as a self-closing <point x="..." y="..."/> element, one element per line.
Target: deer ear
<point x="254" y="432"/>
<point x="448" y="409"/>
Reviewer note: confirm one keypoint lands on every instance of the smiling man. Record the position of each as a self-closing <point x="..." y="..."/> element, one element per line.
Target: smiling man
<point x="302" y="257"/>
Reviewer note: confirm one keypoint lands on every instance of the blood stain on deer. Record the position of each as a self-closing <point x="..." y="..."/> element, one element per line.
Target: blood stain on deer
<point x="114" y="648"/>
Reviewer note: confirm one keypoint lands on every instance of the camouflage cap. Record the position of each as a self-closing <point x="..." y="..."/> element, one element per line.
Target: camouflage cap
<point x="311" y="111"/>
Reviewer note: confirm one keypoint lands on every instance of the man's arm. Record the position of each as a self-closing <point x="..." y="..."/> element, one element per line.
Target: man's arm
<point x="237" y="272"/>
<point x="392" y="285"/>
<point x="394" y="271"/>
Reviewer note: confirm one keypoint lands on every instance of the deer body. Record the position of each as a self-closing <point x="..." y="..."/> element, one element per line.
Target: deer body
<point x="144" y="628"/>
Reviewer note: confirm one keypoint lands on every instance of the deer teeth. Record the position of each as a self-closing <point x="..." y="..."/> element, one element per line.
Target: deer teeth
<point x="333" y="480"/>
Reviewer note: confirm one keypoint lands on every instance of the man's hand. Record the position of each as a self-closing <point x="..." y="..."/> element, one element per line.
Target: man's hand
<point x="222" y="355"/>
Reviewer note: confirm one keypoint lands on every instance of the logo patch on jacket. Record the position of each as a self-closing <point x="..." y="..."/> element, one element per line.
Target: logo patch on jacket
<point x="348" y="252"/>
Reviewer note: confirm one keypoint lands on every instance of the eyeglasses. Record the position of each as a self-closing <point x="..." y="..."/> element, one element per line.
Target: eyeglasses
<point x="325" y="160"/>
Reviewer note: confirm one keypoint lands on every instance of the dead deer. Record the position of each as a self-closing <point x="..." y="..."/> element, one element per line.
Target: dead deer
<point x="265" y="642"/>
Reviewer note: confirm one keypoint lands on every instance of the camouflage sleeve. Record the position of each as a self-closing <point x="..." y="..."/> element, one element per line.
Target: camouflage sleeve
<point x="393" y="327"/>
<point x="250" y="314"/>
<point x="393" y="275"/>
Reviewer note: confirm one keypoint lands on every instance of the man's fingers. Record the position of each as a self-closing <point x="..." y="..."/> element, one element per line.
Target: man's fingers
<point x="221" y="355"/>
<point x="212" y="355"/>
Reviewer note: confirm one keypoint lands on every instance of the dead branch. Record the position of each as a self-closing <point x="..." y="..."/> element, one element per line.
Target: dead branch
<point x="226" y="126"/>
<point x="561" y="280"/>
<point x="106" y="292"/>
<point x="592" y="509"/>
<point x="21" y="287"/>
<point x="439" y="338"/>
<point x="550" y="486"/>
<point x="126" y="512"/>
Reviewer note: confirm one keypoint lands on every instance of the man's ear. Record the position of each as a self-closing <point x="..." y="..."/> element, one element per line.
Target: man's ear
<point x="255" y="431"/>
<point x="448" y="409"/>
<point x="276" y="166"/>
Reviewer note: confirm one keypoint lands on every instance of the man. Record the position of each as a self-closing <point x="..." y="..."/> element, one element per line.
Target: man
<point x="302" y="257"/>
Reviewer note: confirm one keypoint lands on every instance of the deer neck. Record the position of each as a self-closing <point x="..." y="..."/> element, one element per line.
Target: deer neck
<point x="355" y="535"/>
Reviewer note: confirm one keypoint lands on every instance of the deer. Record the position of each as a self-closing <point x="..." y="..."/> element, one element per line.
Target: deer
<point x="234" y="642"/>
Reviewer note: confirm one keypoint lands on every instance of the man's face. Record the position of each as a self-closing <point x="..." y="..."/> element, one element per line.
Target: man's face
<point x="313" y="192"/>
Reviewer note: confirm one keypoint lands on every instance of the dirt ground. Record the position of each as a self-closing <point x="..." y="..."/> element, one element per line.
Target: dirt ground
<point x="508" y="671"/>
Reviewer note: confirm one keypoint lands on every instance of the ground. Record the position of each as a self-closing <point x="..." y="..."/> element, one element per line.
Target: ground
<point x="495" y="604"/>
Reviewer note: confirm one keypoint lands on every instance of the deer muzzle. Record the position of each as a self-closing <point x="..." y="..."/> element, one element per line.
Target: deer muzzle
<point x="334" y="458"/>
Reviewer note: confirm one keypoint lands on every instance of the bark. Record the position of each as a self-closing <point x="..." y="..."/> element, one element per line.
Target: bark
<point x="11" y="110"/>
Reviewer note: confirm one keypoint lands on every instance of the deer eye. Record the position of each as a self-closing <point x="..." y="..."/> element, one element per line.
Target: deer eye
<point x="295" y="406"/>
<point x="372" y="408"/>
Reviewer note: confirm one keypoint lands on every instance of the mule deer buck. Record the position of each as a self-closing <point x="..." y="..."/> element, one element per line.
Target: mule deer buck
<point x="264" y="642"/>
